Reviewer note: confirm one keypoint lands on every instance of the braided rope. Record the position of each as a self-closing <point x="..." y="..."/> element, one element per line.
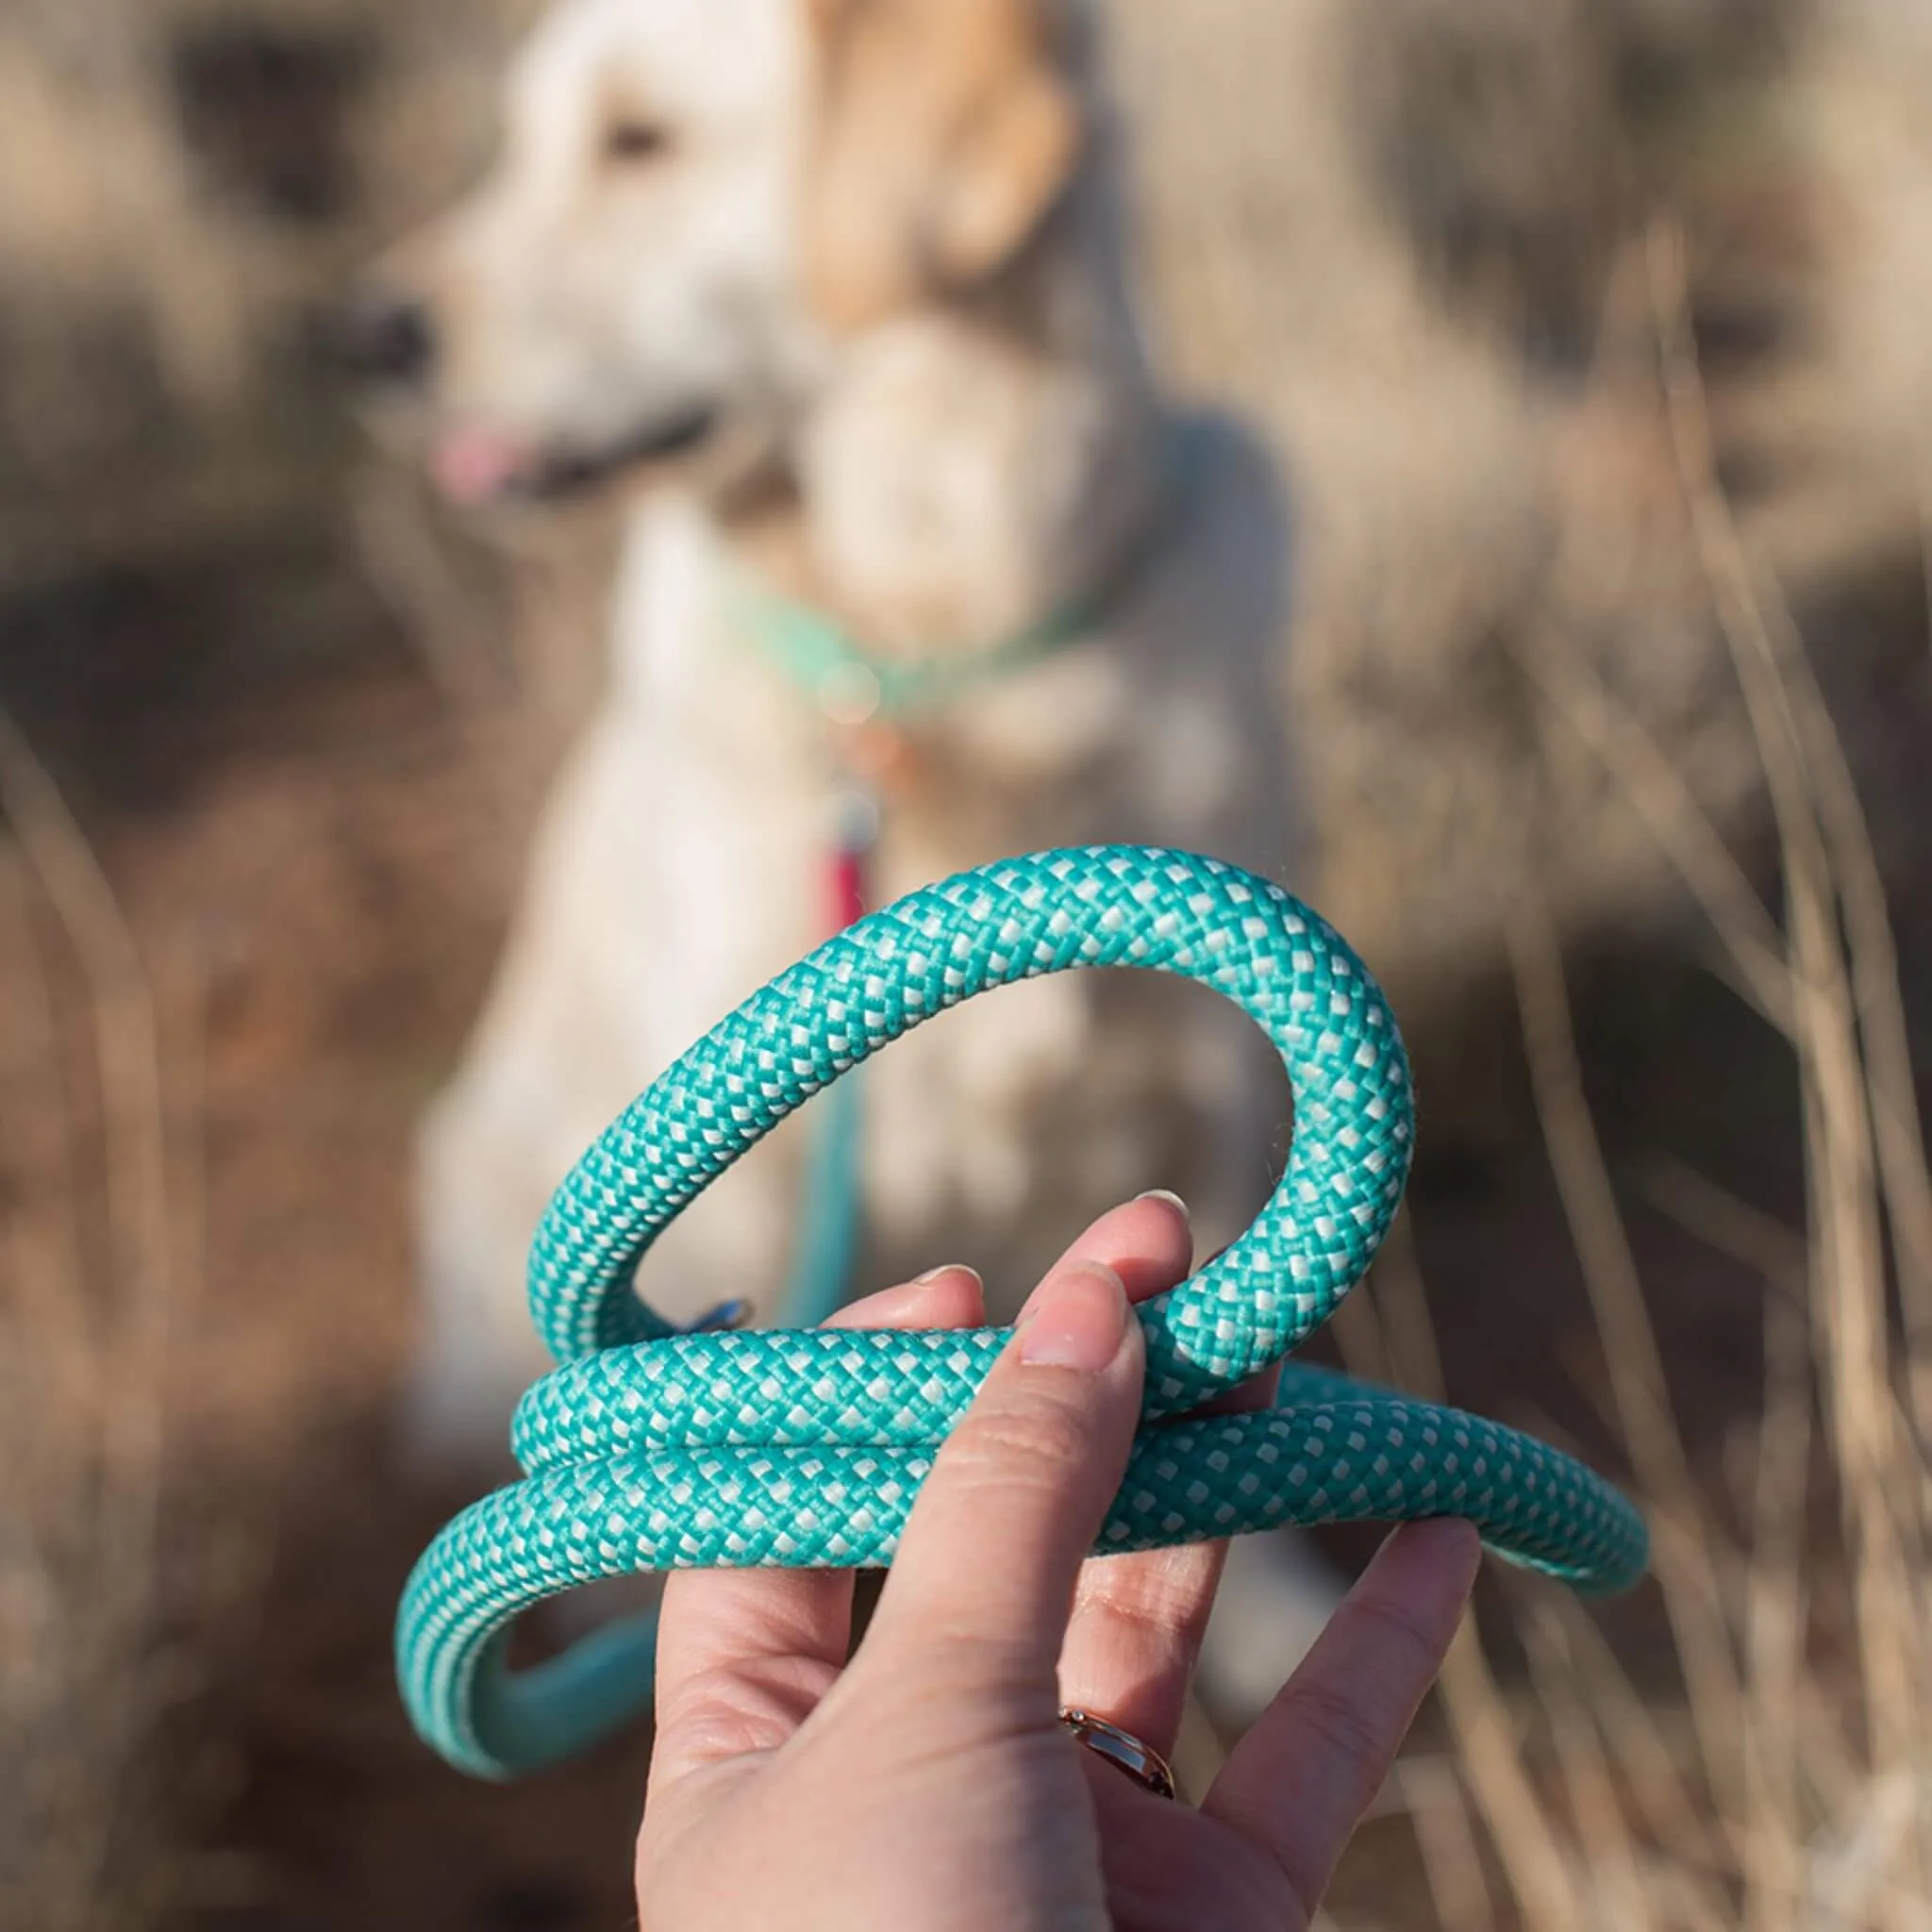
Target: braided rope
<point x="651" y="1449"/>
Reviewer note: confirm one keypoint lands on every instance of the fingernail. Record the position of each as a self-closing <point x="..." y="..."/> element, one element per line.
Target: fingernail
<point x="1172" y="1199"/>
<point x="932" y="1275"/>
<point x="1076" y="1321"/>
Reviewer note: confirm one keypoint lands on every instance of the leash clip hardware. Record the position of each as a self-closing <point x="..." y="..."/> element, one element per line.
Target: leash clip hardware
<point x="725" y="1317"/>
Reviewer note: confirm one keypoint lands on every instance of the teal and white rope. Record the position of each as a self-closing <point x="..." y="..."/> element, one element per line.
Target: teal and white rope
<point x="651" y="1449"/>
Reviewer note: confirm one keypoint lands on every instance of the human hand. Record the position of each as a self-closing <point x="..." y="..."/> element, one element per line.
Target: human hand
<point x="927" y="1782"/>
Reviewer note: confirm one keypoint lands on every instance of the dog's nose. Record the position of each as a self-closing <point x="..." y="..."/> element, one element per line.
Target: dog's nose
<point x="383" y="336"/>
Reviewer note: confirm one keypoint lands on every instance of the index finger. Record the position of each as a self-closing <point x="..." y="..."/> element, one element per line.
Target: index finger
<point x="744" y="1655"/>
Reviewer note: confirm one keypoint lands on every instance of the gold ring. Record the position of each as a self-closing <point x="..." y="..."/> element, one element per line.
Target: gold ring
<point x="1142" y="1762"/>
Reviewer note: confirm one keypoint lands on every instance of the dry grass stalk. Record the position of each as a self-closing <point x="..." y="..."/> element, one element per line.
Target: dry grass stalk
<point x="1831" y="868"/>
<point x="80" y="1573"/>
<point x="1385" y="1333"/>
<point x="1720" y="1220"/>
<point x="1776" y="1867"/>
<point x="1684" y="1535"/>
<point x="1864" y="1144"/>
<point x="1752" y="946"/>
<point x="1925" y="526"/>
<point x="127" y="1065"/>
<point x="1816" y="1785"/>
<point x="1661" y="1795"/>
<point x="1530" y="1843"/>
<point x="1607" y="1847"/>
<point x="1431" y="1793"/>
<point x="1775" y="1615"/>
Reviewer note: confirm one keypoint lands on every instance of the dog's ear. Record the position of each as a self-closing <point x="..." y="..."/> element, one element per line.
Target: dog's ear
<point x="946" y="131"/>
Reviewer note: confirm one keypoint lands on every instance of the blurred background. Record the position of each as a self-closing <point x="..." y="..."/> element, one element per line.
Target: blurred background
<point x="1594" y="340"/>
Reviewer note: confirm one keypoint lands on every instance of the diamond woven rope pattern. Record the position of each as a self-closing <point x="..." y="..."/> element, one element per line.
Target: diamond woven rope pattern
<point x="651" y="1449"/>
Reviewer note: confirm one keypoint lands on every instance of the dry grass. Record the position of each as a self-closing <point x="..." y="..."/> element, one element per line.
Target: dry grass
<point x="99" y="1241"/>
<point x="1804" y="1797"/>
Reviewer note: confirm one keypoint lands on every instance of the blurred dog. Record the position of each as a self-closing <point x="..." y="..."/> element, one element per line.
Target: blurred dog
<point x="834" y="290"/>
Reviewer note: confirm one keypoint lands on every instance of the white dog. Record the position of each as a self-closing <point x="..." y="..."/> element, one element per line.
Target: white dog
<point x="835" y="287"/>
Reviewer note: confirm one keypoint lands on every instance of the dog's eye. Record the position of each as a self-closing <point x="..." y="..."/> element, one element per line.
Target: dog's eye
<point x="628" y="142"/>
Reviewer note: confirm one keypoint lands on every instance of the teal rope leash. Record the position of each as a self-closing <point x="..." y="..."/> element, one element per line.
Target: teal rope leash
<point x="652" y="1450"/>
<point x="625" y="1654"/>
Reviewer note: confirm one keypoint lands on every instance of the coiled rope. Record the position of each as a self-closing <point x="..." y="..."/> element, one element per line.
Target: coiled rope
<point x="652" y="1449"/>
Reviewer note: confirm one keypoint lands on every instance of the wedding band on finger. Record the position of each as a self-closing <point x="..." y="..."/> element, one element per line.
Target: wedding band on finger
<point x="1140" y="1762"/>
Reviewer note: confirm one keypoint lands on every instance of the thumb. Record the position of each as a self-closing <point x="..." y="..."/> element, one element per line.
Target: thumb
<point x="983" y="1583"/>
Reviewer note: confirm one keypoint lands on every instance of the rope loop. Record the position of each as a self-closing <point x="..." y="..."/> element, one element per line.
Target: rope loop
<point x="652" y="1449"/>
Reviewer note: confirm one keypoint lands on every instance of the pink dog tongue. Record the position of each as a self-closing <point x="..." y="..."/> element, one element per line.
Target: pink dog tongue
<point x="470" y="466"/>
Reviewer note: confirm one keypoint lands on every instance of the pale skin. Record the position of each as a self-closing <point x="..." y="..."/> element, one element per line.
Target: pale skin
<point x="926" y="1782"/>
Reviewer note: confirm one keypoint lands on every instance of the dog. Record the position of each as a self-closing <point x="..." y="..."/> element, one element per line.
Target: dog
<point x="834" y="294"/>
